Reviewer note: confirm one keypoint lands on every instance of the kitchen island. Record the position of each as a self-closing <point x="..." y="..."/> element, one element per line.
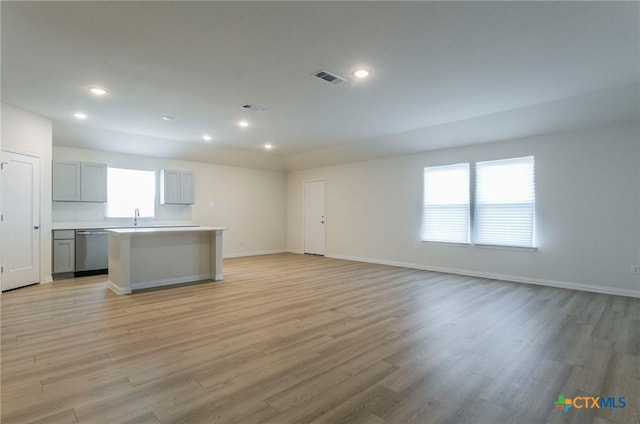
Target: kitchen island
<point x="141" y="258"/>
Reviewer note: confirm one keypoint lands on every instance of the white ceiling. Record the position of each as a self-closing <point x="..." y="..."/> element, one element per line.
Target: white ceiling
<point x="443" y="74"/>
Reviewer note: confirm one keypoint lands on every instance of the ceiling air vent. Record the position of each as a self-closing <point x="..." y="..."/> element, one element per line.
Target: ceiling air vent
<point x="254" y="108"/>
<point x="329" y="77"/>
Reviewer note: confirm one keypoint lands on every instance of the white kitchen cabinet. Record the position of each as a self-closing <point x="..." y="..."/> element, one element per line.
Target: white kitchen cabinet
<point x="66" y="181"/>
<point x="93" y="182"/>
<point x="177" y="187"/>
<point x="64" y="251"/>
<point x="169" y="187"/>
<point x="79" y="181"/>
<point x="187" y="196"/>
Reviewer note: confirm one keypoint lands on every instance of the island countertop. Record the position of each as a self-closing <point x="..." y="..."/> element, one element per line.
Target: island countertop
<point x="156" y="230"/>
<point x="85" y="225"/>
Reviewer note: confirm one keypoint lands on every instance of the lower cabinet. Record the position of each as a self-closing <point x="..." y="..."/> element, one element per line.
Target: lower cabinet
<point x="64" y="251"/>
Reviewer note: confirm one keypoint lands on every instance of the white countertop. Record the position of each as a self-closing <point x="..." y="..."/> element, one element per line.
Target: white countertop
<point x="108" y="225"/>
<point x="156" y="230"/>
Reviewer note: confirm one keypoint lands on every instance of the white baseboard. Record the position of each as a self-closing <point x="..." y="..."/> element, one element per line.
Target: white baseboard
<point x="297" y="252"/>
<point x="259" y="253"/>
<point x="116" y="289"/>
<point x="513" y="278"/>
<point x="48" y="279"/>
<point x="160" y="283"/>
<point x="170" y="281"/>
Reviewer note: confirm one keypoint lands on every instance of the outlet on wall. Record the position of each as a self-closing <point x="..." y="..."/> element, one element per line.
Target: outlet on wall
<point x="635" y="270"/>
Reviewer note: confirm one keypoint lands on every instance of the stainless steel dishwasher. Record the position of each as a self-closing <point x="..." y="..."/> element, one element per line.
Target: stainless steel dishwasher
<point x="92" y="251"/>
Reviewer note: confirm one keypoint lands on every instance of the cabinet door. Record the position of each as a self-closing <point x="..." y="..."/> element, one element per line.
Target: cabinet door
<point x="66" y="181"/>
<point x="64" y="256"/>
<point x="187" y="188"/>
<point x="93" y="182"/>
<point x="169" y="187"/>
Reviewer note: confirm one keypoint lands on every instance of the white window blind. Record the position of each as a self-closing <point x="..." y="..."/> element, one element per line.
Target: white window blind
<point x="445" y="215"/>
<point x="504" y="209"/>
<point x="128" y="190"/>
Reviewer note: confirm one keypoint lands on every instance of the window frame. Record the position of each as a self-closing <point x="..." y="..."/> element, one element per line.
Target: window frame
<point x="463" y="166"/>
<point x="472" y="224"/>
<point x="155" y="195"/>
<point x="531" y="178"/>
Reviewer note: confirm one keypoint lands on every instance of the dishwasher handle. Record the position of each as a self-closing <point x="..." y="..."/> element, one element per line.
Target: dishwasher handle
<point x="90" y="233"/>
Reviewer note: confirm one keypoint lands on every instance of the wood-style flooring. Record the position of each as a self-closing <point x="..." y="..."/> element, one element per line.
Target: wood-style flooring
<point x="304" y="339"/>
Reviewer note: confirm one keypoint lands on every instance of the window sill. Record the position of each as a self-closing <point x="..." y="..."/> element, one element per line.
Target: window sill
<point x="499" y="247"/>
<point x="483" y="246"/>
<point x="120" y="218"/>
<point x="448" y="243"/>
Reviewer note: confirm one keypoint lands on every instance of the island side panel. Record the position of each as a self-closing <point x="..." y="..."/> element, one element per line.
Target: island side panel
<point x="119" y="263"/>
<point x="216" y="255"/>
<point x="166" y="258"/>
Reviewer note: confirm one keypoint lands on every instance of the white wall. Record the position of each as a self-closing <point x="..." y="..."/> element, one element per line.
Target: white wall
<point x="26" y="132"/>
<point x="250" y="202"/>
<point x="588" y="204"/>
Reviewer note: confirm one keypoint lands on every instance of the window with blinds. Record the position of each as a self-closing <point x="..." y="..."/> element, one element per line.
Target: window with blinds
<point x="504" y="209"/>
<point x="446" y="204"/>
<point x="490" y="203"/>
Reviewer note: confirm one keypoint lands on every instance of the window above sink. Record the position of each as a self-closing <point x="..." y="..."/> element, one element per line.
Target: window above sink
<point x="128" y="190"/>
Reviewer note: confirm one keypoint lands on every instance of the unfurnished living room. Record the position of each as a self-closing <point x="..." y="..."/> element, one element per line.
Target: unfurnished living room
<point x="320" y="212"/>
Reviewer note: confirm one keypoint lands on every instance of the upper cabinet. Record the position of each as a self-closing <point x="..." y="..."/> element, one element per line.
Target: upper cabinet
<point x="169" y="187"/>
<point x="93" y="182"/>
<point x="66" y="181"/>
<point x="186" y="188"/>
<point x="79" y="181"/>
<point x="177" y="187"/>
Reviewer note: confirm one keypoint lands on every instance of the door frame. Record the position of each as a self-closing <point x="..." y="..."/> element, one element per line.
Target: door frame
<point x="304" y="198"/>
<point x="40" y="255"/>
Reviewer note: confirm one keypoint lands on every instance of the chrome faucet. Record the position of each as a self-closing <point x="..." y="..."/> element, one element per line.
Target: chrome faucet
<point x="136" y="215"/>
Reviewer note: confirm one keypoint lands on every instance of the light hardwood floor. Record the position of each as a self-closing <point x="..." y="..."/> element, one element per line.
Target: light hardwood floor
<point x="299" y="339"/>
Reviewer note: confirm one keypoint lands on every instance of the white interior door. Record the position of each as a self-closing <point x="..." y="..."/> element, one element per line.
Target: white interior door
<point x="314" y="217"/>
<point x="20" y="191"/>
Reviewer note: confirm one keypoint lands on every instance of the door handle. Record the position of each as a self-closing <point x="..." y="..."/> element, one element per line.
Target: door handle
<point x="37" y="227"/>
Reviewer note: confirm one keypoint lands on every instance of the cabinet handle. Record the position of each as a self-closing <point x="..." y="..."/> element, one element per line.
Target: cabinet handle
<point x="37" y="227"/>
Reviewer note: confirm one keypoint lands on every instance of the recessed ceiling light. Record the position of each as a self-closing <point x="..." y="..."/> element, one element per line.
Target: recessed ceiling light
<point x="98" y="91"/>
<point x="168" y="118"/>
<point x="206" y="137"/>
<point x="80" y="115"/>
<point x="243" y="124"/>
<point x="361" y="73"/>
<point x="268" y="146"/>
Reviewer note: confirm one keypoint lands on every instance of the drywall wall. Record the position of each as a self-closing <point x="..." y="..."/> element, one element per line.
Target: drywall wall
<point x="251" y="203"/>
<point x="26" y="132"/>
<point x="587" y="208"/>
